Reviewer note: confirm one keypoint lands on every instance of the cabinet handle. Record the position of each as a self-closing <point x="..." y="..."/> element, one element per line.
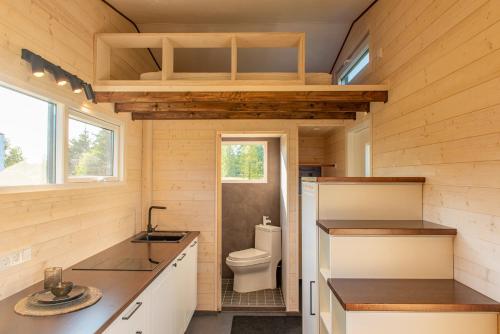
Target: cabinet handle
<point x="182" y="257"/>
<point x="138" y="332"/>
<point x="193" y="244"/>
<point x="311" y="298"/>
<point x="137" y="305"/>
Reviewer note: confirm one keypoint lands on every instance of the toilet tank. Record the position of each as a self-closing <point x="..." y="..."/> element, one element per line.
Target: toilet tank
<point x="268" y="238"/>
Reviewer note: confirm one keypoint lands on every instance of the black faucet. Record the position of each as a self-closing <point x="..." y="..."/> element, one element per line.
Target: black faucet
<point x="150" y="228"/>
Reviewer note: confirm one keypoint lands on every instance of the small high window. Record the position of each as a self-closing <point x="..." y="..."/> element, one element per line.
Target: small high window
<point x="356" y="64"/>
<point x="244" y="161"/>
<point x="92" y="149"/>
<point x="27" y="140"/>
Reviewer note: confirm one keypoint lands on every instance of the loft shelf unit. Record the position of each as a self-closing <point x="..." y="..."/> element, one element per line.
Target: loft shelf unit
<point x="168" y="42"/>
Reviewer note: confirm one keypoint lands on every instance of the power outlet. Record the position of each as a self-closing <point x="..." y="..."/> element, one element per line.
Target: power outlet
<point x="15" y="258"/>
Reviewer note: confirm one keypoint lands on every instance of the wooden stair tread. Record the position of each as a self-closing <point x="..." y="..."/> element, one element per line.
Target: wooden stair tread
<point x="415" y="295"/>
<point x="363" y="179"/>
<point x="384" y="227"/>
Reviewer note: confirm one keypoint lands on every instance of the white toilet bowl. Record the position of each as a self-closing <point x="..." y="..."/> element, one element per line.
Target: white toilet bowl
<point x="255" y="268"/>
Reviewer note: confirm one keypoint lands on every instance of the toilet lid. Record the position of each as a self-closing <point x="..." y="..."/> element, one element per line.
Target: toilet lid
<point x="248" y="254"/>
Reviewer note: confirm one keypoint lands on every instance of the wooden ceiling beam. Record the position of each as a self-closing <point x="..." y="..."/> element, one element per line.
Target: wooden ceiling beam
<point x="243" y="96"/>
<point x="206" y="115"/>
<point x="149" y="107"/>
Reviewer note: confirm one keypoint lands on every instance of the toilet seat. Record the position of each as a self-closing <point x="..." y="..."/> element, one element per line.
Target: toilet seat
<point x="248" y="257"/>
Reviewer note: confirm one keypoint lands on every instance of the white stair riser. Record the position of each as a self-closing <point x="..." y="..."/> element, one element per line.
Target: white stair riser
<point x="419" y="257"/>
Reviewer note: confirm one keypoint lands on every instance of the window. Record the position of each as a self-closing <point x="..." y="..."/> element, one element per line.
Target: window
<point x="44" y="143"/>
<point x="244" y="161"/>
<point x="27" y="139"/>
<point x="92" y="148"/>
<point x="356" y="66"/>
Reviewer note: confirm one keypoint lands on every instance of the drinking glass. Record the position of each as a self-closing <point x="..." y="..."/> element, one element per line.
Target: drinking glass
<point x="52" y="277"/>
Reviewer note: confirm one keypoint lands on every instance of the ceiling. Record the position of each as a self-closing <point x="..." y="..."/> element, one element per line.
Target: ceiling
<point x="325" y="22"/>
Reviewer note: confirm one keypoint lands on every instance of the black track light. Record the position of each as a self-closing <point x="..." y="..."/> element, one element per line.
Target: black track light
<point x="40" y="65"/>
<point x="37" y="66"/>
<point x="76" y="84"/>
<point x="60" y="76"/>
<point x="37" y="62"/>
<point x="89" y="92"/>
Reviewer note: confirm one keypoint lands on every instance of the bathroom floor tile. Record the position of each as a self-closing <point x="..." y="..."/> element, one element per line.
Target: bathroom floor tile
<point x="268" y="299"/>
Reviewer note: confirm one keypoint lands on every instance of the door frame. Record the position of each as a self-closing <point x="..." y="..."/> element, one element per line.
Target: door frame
<point x="284" y="216"/>
<point x="365" y="124"/>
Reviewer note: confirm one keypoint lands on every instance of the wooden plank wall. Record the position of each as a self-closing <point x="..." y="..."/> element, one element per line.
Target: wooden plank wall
<point x="184" y="180"/>
<point x="335" y="153"/>
<point x="441" y="60"/>
<point x="67" y="223"/>
<point x="312" y="150"/>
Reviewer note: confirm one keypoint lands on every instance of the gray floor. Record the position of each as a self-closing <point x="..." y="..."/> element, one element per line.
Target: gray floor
<point x="269" y="299"/>
<point x="218" y="323"/>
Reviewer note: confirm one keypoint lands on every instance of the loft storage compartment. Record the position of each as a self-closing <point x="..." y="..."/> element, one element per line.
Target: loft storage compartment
<point x="227" y="45"/>
<point x="122" y="64"/>
<point x="259" y="46"/>
<point x="215" y="60"/>
<point x="272" y="62"/>
<point x="175" y="44"/>
<point x="107" y="51"/>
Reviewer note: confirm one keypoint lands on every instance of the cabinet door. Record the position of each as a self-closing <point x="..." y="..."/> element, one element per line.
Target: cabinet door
<point x="192" y="279"/>
<point x="181" y="279"/>
<point x="134" y="319"/>
<point x="163" y="302"/>
<point x="310" y="320"/>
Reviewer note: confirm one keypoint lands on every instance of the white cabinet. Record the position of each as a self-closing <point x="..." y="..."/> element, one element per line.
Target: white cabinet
<point x="167" y="305"/>
<point x="162" y="310"/>
<point x="134" y="320"/>
<point x="185" y="282"/>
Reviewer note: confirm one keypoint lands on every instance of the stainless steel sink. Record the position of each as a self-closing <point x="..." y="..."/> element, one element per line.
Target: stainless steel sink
<point x="160" y="236"/>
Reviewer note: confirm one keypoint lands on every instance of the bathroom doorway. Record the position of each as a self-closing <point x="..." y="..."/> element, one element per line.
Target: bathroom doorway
<point x="250" y="205"/>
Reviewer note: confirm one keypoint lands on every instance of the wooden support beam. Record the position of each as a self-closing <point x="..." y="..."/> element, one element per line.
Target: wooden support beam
<point x="206" y="115"/>
<point x="152" y="107"/>
<point x="244" y="96"/>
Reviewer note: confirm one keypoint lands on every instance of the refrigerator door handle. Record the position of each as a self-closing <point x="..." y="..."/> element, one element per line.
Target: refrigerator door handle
<point x="311" y="298"/>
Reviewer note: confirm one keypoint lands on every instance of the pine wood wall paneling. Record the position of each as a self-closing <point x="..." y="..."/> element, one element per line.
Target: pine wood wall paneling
<point x="184" y="172"/>
<point x="335" y="153"/>
<point x="441" y="61"/>
<point x="64" y="226"/>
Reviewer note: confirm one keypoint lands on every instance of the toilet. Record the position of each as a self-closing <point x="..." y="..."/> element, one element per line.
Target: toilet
<point x="255" y="268"/>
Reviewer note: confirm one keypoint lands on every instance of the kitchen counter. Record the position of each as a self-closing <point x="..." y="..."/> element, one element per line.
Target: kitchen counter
<point x="119" y="289"/>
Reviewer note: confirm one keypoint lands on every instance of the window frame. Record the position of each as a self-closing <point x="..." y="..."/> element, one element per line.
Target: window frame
<point x="264" y="179"/>
<point x="54" y="151"/>
<point x="101" y="122"/>
<point x="354" y="60"/>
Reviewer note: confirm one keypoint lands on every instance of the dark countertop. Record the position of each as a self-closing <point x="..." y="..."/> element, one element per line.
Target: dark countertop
<point x="415" y="295"/>
<point x="384" y="227"/>
<point x="119" y="289"/>
<point x="367" y="179"/>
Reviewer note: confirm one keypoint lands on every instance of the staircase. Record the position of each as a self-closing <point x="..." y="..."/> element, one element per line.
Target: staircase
<point x="395" y="276"/>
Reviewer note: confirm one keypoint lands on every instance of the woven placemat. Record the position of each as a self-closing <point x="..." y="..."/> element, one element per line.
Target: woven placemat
<point x="25" y="307"/>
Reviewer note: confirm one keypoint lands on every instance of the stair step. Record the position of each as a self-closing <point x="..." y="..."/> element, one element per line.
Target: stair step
<point x="383" y="227"/>
<point x="409" y="295"/>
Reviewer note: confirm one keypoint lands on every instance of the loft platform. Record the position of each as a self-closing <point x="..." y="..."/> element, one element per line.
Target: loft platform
<point x="229" y="95"/>
<point x="258" y="104"/>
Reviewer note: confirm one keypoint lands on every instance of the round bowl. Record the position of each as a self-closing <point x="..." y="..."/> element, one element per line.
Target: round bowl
<point x="62" y="289"/>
